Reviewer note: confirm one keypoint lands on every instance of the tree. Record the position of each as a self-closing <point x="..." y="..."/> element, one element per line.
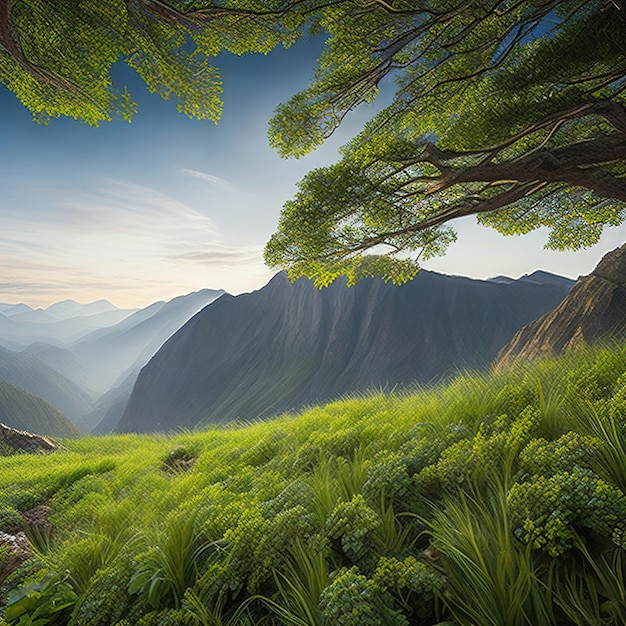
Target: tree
<point x="57" y="55"/>
<point x="511" y="110"/>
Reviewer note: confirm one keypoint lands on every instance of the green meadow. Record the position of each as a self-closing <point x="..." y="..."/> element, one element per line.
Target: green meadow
<point x="495" y="500"/>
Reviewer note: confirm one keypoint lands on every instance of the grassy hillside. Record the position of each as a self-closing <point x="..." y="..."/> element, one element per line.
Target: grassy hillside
<point x="496" y="500"/>
<point x="26" y="411"/>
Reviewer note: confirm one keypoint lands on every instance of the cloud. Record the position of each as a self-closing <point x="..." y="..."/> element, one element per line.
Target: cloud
<point x="219" y="255"/>
<point x="125" y="205"/>
<point x="120" y="239"/>
<point x="218" y="182"/>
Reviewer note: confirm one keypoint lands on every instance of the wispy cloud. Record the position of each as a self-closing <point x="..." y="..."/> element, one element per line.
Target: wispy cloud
<point x="218" y="182"/>
<point x="117" y="236"/>
<point x="218" y="254"/>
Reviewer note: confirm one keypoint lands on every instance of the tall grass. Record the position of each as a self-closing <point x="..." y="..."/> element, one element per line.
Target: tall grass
<point x="169" y="565"/>
<point x="492" y="577"/>
<point x="275" y="515"/>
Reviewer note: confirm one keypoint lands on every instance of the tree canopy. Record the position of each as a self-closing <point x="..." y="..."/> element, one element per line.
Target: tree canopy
<point x="512" y="110"/>
<point x="57" y="55"/>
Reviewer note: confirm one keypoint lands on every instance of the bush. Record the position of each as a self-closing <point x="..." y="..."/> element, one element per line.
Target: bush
<point x="549" y="512"/>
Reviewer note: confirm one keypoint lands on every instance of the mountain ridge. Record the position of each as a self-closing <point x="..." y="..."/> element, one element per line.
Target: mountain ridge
<point x="288" y="345"/>
<point x="26" y="411"/>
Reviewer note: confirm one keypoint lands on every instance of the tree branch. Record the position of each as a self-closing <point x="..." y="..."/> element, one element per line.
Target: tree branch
<point x="10" y="41"/>
<point x="575" y="165"/>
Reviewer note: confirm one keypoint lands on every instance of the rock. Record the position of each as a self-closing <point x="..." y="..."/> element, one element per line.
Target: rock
<point x="22" y="441"/>
<point x="594" y="309"/>
<point x="18" y="552"/>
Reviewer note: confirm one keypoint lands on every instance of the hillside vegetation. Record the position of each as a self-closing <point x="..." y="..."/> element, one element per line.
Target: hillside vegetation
<point x="26" y="411"/>
<point x="495" y="500"/>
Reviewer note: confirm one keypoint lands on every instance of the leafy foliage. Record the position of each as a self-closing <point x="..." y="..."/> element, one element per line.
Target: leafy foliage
<point x="496" y="499"/>
<point x="58" y="56"/>
<point x="511" y="111"/>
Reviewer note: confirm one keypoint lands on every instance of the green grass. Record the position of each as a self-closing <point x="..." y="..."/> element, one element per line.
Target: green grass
<point x="495" y="500"/>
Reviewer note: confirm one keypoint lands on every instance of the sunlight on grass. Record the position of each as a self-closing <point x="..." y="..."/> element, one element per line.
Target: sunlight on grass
<point x="495" y="500"/>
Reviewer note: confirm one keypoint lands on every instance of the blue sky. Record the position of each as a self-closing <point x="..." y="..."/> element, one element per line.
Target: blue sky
<point x="166" y="205"/>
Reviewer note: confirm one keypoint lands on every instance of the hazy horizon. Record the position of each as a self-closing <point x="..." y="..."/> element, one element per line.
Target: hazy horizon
<point x="46" y="305"/>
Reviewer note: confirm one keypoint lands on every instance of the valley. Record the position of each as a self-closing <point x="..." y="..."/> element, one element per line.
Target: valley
<point x="209" y="357"/>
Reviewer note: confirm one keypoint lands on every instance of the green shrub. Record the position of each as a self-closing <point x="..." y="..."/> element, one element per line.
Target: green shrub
<point x="352" y="527"/>
<point x="354" y="600"/>
<point x="549" y="512"/>
<point x="568" y="451"/>
<point x="108" y="600"/>
<point x="411" y="583"/>
<point x="387" y="478"/>
<point x="10" y="520"/>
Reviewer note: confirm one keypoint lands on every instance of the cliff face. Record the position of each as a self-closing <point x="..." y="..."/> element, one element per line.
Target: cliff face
<point x="594" y="309"/>
<point x="289" y="345"/>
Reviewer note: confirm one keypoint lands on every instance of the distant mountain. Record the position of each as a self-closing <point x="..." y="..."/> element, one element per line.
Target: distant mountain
<point x="13" y="309"/>
<point x="69" y="308"/>
<point x="594" y="309"/>
<point x="104" y="358"/>
<point x="288" y="345"/>
<point x="40" y="379"/>
<point x="26" y="411"/>
<point x="60" y="324"/>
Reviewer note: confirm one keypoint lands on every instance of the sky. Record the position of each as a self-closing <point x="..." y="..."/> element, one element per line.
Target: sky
<point x="146" y="211"/>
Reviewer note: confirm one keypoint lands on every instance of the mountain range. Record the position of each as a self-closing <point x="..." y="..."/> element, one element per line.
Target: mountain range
<point x="209" y="357"/>
<point x="288" y="345"/>
<point x="60" y="324"/>
<point x="86" y="378"/>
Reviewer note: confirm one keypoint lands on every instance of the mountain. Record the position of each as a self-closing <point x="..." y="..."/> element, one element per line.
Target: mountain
<point x="103" y="359"/>
<point x="38" y="378"/>
<point x="288" y="345"/>
<point x="60" y="324"/>
<point x="105" y="363"/>
<point x="594" y="309"/>
<point x="70" y="308"/>
<point x="26" y="411"/>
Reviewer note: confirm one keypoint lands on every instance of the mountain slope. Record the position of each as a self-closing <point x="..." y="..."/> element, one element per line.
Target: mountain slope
<point x="594" y="309"/>
<point x="105" y="357"/>
<point x="26" y="411"/>
<point x="288" y="345"/>
<point x="40" y="379"/>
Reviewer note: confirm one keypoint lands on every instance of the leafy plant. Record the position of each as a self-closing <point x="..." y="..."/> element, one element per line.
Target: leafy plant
<point x="47" y="601"/>
<point x="169" y="566"/>
<point x="492" y="578"/>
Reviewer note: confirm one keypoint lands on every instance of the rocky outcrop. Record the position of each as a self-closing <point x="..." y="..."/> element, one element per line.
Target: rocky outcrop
<point x="594" y="309"/>
<point x="22" y="441"/>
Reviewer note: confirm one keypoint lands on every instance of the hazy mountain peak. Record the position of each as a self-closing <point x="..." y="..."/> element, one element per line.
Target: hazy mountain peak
<point x="14" y="309"/>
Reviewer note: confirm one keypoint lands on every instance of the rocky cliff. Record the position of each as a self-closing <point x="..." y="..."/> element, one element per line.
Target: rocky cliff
<point x="22" y="441"/>
<point x="594" y="309"/>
